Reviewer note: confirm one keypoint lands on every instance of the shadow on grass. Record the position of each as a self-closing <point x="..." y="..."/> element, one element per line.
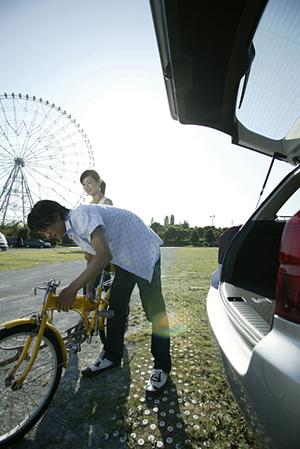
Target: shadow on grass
<point x="169" y="418"/>
<point x="83" y="411"/>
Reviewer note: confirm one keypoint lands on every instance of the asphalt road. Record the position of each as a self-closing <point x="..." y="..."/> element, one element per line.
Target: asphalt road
<point x="66" y="421"/>
<point x="16" y="287"/>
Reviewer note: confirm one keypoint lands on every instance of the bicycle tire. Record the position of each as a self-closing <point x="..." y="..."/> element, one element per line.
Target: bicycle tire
<point x="21" y="409"/>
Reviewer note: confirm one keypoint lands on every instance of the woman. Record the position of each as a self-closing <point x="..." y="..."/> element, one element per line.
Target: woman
<point x="95" y="187"/>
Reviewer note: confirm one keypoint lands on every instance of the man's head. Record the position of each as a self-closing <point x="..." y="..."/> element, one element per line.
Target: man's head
<point x="48" y="217"/>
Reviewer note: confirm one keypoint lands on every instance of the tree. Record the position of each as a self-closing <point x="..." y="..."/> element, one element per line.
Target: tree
<point x="159" y="229"/>
<point x="183" y="236"/>
<point x="11" y="229"/>
<point x="194" y="238"/>
<point x="166" y="221"/>
<point x="200" y="232"/>
<point x="210" y="236"/>
<point x="172" y="234"/>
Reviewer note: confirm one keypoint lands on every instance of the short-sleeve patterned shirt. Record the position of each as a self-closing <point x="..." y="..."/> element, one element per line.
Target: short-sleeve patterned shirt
<point x="134" y="246"/>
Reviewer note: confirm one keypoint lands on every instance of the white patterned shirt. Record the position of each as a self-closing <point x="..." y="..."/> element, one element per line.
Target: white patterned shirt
<point x="134" y="246"/>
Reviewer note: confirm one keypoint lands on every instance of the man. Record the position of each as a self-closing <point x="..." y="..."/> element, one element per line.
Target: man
<point x="118" y="236"/>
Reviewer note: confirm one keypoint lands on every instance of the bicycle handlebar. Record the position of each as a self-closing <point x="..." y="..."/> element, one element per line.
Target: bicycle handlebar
<point x="49" y="286"/>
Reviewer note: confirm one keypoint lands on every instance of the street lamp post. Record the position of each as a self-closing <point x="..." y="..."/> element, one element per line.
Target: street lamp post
<point x="212" y="219"/>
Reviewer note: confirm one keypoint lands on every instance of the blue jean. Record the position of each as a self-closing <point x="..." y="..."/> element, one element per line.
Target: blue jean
<point x="154" y="307"/>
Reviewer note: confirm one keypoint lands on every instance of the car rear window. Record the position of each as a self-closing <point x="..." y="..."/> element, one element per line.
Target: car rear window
<point x="272" y="98"/>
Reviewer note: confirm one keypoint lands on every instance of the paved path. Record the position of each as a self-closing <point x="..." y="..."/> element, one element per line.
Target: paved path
<point x="16" y="286"/>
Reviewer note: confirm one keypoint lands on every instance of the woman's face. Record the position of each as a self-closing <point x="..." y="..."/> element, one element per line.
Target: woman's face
<point x="90" y="185"/>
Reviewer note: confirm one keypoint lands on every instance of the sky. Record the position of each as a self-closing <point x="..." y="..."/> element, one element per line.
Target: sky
<point x="99" y="61"/>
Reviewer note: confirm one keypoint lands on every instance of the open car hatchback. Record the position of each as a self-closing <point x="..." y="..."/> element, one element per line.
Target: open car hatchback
<point x="235" y="66"/>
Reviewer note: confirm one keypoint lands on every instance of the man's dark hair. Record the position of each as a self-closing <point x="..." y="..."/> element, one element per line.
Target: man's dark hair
<point x="44" y="213"/>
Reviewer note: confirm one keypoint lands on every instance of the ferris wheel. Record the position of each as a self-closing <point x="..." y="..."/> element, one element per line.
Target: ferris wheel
<point x="43" y="150"/>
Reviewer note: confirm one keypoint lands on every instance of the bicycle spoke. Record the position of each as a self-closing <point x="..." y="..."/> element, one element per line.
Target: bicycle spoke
<point x="21" y="407"/>
<point x="33" y="380"/>
<point x="30" y="398"/>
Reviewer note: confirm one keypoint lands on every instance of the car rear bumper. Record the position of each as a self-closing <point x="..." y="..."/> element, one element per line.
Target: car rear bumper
<point x="265" y="379"/>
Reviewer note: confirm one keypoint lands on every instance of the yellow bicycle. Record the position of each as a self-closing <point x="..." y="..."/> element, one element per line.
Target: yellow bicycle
<point x="33" y="353"/>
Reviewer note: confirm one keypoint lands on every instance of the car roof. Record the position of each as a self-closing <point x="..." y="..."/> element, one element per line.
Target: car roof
<point x="234" y="66"/>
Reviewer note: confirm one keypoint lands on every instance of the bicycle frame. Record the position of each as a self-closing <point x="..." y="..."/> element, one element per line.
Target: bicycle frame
<point x="89" y="310"/>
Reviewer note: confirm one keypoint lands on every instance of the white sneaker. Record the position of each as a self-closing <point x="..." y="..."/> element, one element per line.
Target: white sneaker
<point x="98" y="366"/>
<point x="98" y="359"/>
<point x="157" y="381"/>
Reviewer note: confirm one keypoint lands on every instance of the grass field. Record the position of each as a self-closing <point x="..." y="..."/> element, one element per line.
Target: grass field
<point x="18" y="258"/>
<point x="196" y="410"/>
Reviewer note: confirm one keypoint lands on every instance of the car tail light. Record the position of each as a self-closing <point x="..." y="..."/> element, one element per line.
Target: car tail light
<point x="288" y="279"/>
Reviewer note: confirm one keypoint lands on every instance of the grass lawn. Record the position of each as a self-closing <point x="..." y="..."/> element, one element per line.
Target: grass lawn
<point x="18" y="258"/>
<point x="196" y="410"/>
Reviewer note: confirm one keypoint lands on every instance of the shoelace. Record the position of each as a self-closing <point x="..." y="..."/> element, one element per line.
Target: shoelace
<point x="156" y="376"/>
<point x="97" y="362"/>
<point x="98" y="359"/>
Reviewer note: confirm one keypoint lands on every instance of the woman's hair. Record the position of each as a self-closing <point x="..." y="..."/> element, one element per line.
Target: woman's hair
<point x="44" y="213"/>
<point x="102" y="187"/>
<point x="93" y="174"/>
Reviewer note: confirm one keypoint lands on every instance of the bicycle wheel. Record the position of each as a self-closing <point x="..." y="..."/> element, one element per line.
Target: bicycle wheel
<point x="20" y="409"/>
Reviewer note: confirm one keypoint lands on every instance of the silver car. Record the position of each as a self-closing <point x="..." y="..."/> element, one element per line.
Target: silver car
<point x="235" y="66"/>
<point x="3" y="242"/>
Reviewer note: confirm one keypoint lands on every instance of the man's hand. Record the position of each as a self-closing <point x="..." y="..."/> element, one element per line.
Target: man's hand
<point x="89" y="294"/>
<point x="94" y="267"/>
<point x="65" y="299"/>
